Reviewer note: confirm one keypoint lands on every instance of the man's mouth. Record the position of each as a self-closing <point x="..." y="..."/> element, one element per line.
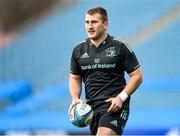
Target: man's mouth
<point x="91" y="31"/>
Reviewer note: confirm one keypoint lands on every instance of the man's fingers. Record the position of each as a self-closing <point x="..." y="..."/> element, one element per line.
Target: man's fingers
<point x="111" y="108"/>
<point x="72" y="105"/>
<point x="108" y="100"/>
<point x="116" y="109"/>
<point x="70" y="108"/>
<point x="112" y="105"/>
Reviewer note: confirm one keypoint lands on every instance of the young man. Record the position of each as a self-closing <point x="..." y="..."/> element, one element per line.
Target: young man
<point x="100" y="62"/>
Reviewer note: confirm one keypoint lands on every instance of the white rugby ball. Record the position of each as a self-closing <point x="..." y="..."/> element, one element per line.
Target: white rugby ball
<point x="81" y="115"/>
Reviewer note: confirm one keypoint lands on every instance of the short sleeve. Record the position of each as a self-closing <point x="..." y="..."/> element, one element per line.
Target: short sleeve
<point x="74" y="67"/>
<point x="130" y="62"/>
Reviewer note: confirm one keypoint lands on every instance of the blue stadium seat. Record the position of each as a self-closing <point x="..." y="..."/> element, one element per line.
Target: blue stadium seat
<point x="13" y="91"/>
<point x="40" y="100"/>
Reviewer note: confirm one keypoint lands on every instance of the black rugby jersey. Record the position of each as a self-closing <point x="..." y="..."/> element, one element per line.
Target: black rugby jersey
<point x="102" y="69"/>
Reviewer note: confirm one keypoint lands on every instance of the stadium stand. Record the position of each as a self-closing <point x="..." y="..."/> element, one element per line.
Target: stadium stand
<point x="13" y="91"/>
<point x="41" y="100"/>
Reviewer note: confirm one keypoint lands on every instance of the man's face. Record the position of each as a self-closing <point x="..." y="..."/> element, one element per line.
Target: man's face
<point x="94" y="26"/>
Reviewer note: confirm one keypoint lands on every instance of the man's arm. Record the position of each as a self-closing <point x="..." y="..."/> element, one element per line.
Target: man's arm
<point x="134" y="82"/>
<point x="132" y="85"/>
<point x="75" y="83"/>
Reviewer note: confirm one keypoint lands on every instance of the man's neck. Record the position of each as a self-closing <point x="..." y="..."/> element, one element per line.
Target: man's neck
<point x="100" y="40"/>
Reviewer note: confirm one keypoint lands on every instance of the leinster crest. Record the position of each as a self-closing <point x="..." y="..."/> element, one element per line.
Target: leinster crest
<point x="110" y="52"/>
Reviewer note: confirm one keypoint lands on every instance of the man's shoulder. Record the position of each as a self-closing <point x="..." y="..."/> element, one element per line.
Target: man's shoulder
<point x="81" y="44"/>
<point x="80" y="47"/>
<point x="122" y="43"/>
<point x="118" y="40"/>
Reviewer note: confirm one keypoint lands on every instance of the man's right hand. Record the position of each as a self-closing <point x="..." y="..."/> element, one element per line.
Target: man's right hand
<point x="74" y="102"/>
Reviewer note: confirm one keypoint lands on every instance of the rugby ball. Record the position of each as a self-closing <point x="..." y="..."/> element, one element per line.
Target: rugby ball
<point x="81" y="115"/>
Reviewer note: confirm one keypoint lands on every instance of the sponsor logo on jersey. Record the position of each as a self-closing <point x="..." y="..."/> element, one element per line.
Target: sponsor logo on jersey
<point x="85" y="55"/>
<point x="99" y="66"/>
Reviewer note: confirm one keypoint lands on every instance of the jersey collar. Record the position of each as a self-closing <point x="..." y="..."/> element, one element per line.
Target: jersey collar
<point x="102" y="44"/>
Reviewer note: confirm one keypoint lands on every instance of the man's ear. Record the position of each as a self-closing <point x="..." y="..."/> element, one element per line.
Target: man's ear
<point x="105" y="24"/>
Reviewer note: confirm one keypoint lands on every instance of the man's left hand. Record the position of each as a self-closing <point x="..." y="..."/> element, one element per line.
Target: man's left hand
<point x="116" y="104"/>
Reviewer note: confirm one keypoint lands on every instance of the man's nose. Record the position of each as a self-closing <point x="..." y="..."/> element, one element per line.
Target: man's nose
<point x="90" y="25"/>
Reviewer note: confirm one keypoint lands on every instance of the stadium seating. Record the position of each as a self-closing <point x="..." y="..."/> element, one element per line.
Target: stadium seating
<point x="13" y="91"/>
<point x="41" y="100"/>
<point x="47" y="47"/>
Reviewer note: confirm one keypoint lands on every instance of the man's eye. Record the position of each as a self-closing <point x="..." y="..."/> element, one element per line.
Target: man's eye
<point x="94" y="21"/>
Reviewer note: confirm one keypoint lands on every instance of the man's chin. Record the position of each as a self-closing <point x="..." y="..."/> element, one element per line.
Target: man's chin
<point x="92" y="37"/>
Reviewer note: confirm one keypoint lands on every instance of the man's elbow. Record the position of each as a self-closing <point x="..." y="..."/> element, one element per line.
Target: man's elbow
<point x="140" y="78"/>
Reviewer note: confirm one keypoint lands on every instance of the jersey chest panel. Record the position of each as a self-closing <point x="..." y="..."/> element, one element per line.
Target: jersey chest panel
<point x="107" y="58"/>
